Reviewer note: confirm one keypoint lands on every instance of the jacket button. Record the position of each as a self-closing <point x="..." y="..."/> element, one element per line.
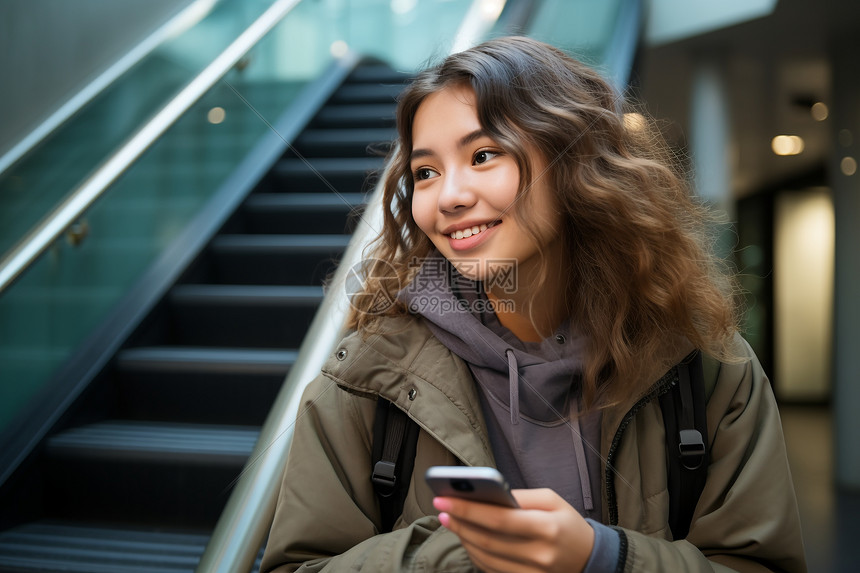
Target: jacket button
<point x="559" y="338"/>
<point x="412" y="393"/>
<point x="341" y="354"/>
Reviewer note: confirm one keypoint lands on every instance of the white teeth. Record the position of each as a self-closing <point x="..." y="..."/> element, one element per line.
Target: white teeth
<point x="465" y="233"/>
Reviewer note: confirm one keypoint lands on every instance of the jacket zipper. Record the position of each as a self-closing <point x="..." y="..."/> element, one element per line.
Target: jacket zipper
<point x="663" y="385"/>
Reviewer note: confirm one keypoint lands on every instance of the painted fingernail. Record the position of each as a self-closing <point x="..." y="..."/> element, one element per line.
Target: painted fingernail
<point x="441" y="504"/>
<point x="444" y="519"/>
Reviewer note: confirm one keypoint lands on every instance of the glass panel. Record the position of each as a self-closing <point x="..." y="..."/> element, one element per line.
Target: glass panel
<point x="71" y="289"/>
<point x="583" y="28"/>
<point x="42" y="178"/>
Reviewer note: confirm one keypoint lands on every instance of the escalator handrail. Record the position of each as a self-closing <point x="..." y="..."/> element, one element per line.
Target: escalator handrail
<point x="55" y="223"/>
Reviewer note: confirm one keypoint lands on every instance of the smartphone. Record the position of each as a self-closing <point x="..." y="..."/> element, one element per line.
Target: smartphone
<point x="482" y="484"/>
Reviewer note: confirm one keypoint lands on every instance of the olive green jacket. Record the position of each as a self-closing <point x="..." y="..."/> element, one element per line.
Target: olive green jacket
<point x="327" y="517"/>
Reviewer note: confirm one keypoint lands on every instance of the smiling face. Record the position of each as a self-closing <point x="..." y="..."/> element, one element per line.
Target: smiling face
<point x="465" y="189"/>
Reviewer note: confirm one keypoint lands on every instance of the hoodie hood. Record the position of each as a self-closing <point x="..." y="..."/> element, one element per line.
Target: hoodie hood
<point x="462" y="318"/>
<point x="528" y="390"/>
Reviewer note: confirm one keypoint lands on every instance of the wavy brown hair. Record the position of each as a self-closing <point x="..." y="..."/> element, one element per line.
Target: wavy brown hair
<point x="640" y="270"/>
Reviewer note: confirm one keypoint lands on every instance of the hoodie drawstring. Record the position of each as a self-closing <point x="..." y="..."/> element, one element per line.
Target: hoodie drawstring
<point x="575" y="428"/>
<point x="584" y="480"/>
<point x="513" y="386"/>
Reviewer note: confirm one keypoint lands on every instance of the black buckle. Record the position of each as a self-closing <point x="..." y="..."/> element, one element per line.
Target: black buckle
<point x="692" y="449"/>
<point x="383" y="476"/>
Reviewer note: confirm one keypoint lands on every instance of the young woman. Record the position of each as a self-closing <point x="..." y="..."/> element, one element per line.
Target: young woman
<point x="545" y="268"/>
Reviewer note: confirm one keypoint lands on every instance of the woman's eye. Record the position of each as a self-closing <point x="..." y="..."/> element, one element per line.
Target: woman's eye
<point x="483" y="156"/>
<point x="424" y="173"/>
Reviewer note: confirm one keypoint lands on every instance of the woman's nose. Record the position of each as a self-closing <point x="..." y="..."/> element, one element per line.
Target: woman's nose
<point x="457" y="194"/>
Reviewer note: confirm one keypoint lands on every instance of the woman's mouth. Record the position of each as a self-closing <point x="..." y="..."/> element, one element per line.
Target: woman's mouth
<point x="468" y="232"/>
<point x="470" y="238"/>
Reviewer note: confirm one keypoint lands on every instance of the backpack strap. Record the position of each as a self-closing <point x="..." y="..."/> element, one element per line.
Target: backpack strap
<point x="395" y="437"/>
<point x="686" y="425"/>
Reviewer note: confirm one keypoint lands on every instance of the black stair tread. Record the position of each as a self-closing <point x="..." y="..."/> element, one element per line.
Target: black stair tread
<point x="246" y="294"/>
<point x="305" y="243"/>
<point x="156" y="441"/>
<point x="343" y="115"/>
<point x="194" y="359"/>
<point x="378" y="73"/>
<point x="306" y="213"/>
<point x="368" y="93"/>
<point x="334" y="136"/>
<point x="315" y="201"/>
<point x="248" y="316"/>
<point x="48" y="546"/>
<point x="327" y="165"/>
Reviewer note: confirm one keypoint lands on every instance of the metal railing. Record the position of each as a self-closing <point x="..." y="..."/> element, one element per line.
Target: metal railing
<point x="55" y="223"/>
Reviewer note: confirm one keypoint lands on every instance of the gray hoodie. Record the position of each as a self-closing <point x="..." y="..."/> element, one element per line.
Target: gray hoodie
<point x="529" y="390"/>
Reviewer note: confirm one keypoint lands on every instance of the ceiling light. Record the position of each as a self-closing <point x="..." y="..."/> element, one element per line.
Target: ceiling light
<point x="787" y="145"/>
<point x="491" y="9"/>
<point x="819" y="111"/>
<point x="403" y="6"/>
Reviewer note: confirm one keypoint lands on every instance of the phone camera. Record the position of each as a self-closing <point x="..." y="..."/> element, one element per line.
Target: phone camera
<point x="462" y="485"/>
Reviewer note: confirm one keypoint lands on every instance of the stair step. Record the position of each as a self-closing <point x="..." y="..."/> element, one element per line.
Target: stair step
<point x="305" y="202"/>
<point x="206" y="360"/>
<point x="54" y="547"/>
<point x="379" y="74"/>
<point x="368" y="93"/>
<point x="339" y="175"/>
<point x="243" y="315"/>
<point x="327" y="166"/>
<point x="345" y="142"/>
<point x="157" y="442"/>
<point x="151" y="473"/>
<point x="247" y="295"/>
<point x="293" y="242"/>
<point x="276" y="259"/>
<point x="303" y="213"/>
<point x="167" y="383"/>
<point x="368" y="115"/>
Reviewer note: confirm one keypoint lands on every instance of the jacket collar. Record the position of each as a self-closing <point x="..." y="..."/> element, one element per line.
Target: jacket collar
<point x="649" y="378"/>
<point x="405" y="364"/>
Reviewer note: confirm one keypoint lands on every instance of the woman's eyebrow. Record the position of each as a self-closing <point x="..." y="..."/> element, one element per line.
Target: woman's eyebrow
<point x="470" y="137"/>
<point x="464" y="141"/>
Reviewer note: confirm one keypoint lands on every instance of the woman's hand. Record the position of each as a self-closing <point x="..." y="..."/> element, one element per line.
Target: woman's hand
<point x="544" y="534"/>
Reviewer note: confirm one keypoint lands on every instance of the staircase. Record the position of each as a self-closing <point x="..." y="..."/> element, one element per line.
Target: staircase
<point x="137" y="474"/>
